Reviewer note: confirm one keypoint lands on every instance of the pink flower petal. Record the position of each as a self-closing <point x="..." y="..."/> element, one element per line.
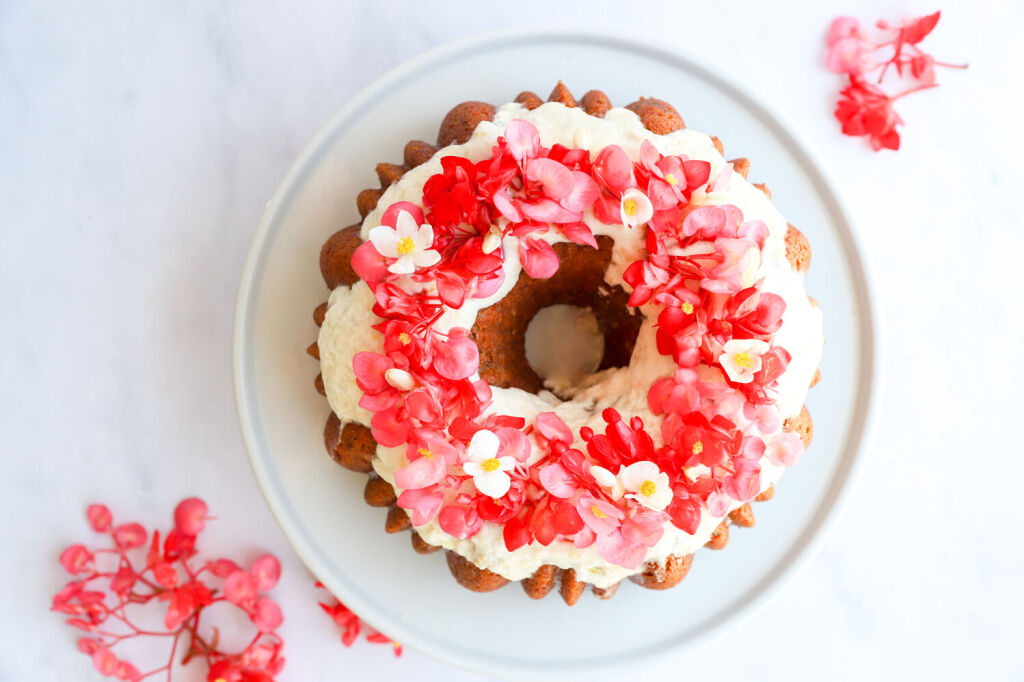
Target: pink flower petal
<point x="424" y="504"/>
<point x="266" y="615"/>
<point x="557" y="481"/>
<point x="538" y="258"/>
<point x="265" y="572"/>
<point x="613" y="169"/>
<point x="422" y="472"/>
<point x="390" y="216"/>
<point x="458" y="358"/>
<point x="190" y="516"/>
<point x="513" y="443"/>
<point x="240" y="588"/>
<point x="555" y="179"/>
<point x="522" y="138"/>
<point x="551" y="426"/>
<point x="459" y="522"/>
<point x="76" y="559"/>
<point x="130" y="536"/>
<point x="99" y="517"/>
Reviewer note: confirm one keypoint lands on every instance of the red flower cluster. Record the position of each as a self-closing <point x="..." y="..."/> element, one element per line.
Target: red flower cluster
<point x="351" y="625"/>
<point x="465" y="469"/>
<point x="865" y="109"/>
<point x="110" y="583"/>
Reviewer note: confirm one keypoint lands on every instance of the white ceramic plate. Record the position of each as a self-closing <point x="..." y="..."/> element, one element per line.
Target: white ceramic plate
<point x="319" y="505"/>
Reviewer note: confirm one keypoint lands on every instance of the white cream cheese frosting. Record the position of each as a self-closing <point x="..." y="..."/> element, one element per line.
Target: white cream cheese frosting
<point x="347" y="330"/>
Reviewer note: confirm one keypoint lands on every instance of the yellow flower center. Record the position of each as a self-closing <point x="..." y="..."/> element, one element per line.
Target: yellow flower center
<point x="743" y="360"/>
<point x="425" y="453"/>
<point x="405" y="338"/>
<point x="648" y="488"/>
<point x="670" y="179"/>
<point x="629" y="206"/>
<point x="491" y="464"/>
<point x="698" y="448"/>
<point x="598" y="514"/>
<point x="406" y="246"/>
<point x="687" y="308"/>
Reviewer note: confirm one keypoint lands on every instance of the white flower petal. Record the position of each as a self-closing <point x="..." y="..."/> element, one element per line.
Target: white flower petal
<point x="482" y="446"/>
<point x="507" y="463"/>
<point x="400" y="379"/>
<point x="491" y="242"/>
<point x="424" y="238"/>
<point x="603" y="476"/>
<point x="385" y="240"/>
<point x="473" y="468"/>
<point x="405" y="265"/>
<point x="405" y="225"/>
<point x="635" y="474"/>
<point x="492" y="483"/>
<point x="424" y="259"/>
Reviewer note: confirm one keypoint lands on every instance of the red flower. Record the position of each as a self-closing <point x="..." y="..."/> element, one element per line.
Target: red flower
<point x="621" y="444"/>
<point x="865" y="109"/>
<point x="168" y="576"/>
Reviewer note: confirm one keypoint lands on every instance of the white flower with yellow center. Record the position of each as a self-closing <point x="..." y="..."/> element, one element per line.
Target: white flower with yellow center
<point x="607" y="480"/>
<point x="635" y="209"/>
<point x="408" y="243"/>
<point x="486" y="468"/>
<point x="646" y="484"/>
<point x="741" y="359"/>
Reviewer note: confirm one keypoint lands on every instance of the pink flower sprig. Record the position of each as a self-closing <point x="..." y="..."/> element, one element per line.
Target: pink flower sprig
<point x="351" y="625"/>
<point x="111" y="585"/>
<point x="864" y="108"/>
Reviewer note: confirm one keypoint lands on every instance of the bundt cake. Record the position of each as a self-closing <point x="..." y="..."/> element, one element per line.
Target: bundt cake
<point x="696" y="284"/>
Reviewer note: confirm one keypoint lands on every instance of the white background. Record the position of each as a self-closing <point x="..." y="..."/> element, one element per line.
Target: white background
<point x="139" y="143"/>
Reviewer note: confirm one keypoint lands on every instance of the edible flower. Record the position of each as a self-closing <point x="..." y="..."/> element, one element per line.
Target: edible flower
<point x="408" y="243"/>
<point x="487" y="469"/>
<point x="741" y="359"/>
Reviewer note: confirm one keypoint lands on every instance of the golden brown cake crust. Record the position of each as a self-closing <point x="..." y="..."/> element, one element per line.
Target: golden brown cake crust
<point x="657" y="115"/>
<point x="461" y="121"/>
<point x="336" y="257"/>
<point x="499" y="330"/>
<point x="472" y="577"/>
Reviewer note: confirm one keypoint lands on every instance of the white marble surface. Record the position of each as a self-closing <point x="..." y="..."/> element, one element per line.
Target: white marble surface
<point x="139" y="144"/>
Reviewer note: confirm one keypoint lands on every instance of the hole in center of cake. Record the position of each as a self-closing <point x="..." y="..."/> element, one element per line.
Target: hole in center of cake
<point x="564" y="345"/>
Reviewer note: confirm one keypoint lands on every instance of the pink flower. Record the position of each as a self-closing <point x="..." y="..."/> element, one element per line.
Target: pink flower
<point x="265" y="572"/>
<point x="673" y="178"/>
<point x="738" y="261"/>
<point x="459" y="522"/>
<point x="429" y="454"/>
<point x="190" y="516"/>
<point x="458" y="358"/>
<point x="423" y="503"/>
<point x="266" y="615"/>
<point x="76" y="559"/>
<point x="842" y="28"/>
<point x="538" y="258"/>
<point x="522" y="139"/>
<point x="130" y="536"/>
<point x="600" y="516"/>
<point x="99" y="518"/>
<point x="557" y="481"/>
